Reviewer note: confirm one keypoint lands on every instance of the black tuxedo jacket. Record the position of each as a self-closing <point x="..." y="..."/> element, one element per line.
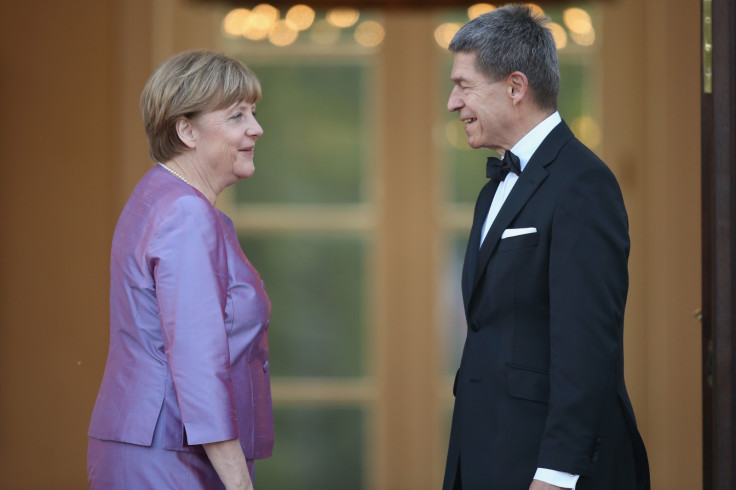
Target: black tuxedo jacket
<point x="541" y="380"/>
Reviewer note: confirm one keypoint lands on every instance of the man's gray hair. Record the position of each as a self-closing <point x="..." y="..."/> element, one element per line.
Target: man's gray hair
<point x="512" y="38"/>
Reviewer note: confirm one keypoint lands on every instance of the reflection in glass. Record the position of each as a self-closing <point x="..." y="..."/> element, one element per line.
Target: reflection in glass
<point x="316" y="285"/>
<point x="317" y="448"/>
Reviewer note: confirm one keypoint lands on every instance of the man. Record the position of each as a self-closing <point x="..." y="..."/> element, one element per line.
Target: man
<point x="540" y="399"/>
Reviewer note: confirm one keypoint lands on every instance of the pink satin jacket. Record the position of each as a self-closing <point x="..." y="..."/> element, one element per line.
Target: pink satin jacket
<point x="188" y="327"/>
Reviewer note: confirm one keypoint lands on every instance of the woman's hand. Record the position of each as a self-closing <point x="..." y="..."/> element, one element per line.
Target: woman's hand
<point x="229" y="462"/>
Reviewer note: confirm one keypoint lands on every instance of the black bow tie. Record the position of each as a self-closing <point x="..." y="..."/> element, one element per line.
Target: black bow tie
<point x="498" y="169"/>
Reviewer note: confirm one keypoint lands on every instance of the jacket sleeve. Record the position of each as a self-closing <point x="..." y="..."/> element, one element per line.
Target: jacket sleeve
<point x="189" y="261"/>
<point x="588" y="283"/>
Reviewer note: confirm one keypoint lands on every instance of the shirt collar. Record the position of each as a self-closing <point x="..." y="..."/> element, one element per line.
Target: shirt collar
<point x="527" y="145"/>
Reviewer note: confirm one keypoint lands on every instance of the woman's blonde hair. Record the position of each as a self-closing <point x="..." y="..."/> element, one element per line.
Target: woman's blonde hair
<point x="188" y="84"/>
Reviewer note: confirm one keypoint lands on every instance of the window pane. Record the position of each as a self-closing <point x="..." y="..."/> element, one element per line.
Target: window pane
<point x="316" y="448"/>
<point x="316" y="133"/>
<point x="316" y="286"/>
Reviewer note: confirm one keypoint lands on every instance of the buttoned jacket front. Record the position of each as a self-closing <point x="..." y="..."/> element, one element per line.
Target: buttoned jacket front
<point x="541" y="384"/>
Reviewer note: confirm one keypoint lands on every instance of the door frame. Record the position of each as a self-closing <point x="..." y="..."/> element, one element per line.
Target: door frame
<point x="718" y="128"/>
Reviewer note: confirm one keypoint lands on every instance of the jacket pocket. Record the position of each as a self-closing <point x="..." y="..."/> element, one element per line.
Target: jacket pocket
<point x="527" y="383"/>
<point x="520" y="241"/>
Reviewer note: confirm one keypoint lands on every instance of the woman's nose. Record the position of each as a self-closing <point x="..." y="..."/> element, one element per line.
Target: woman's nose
<point x="254" y="130"/>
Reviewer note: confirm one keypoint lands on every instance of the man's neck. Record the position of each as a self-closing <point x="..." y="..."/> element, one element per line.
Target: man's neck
<point x="530" y="122"/>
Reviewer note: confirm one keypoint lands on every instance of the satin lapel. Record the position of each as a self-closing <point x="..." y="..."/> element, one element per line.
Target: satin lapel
<point x="531" y="178"/>
<point x="471" y="253"/>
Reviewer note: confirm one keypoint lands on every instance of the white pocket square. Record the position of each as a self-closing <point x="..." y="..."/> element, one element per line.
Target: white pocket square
<point x="509" y="232"/>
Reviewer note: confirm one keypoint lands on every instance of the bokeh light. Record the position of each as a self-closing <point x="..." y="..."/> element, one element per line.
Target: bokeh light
<point x="444" y="33"/>
<point x="577" y="20"/>
<point x="479" y="9"/>
<point x="300" y="17"/>
<point x="579" y="23"/>
<point x="583" y="39"/>
<point x="342" y="17"/>
<point x="235" y="22"/>
<point x="283" y="34"/>
<point x="559" y="34"/>
<point x="261" y="21"/>
<point x="369" y="34"/>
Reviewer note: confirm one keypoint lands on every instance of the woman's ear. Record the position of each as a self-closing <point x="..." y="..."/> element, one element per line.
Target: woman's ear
<point x="186" y="132"/>
<point x="518" y="86"/>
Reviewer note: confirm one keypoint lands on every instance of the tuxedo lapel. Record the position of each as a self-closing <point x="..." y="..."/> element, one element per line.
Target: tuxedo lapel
<point x="471" y="253"/>
<point x="530" y="179"/>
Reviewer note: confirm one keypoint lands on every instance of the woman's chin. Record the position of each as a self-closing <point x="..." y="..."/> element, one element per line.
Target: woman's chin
<point x="244" y="171"/>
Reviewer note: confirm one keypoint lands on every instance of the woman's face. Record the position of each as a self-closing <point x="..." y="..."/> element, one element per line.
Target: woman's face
<point x="225" y="142"/>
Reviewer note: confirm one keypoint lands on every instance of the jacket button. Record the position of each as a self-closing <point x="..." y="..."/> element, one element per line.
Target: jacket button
<point x="265" y="367"/>
<point x="474" y="326"/>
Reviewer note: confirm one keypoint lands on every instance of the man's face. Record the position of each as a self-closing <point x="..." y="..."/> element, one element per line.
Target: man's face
<point x="483" y="106"/>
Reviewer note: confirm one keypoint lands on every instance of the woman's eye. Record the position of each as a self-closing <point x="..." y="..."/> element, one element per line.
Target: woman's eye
<point x="237" y="116"/>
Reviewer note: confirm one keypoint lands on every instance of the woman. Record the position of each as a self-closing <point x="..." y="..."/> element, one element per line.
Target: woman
<point x="185" y="400"/>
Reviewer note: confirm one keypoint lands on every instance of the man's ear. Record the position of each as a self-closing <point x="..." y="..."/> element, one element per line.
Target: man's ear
<point x="186" y="132"/>
<point x="517" y="86"/>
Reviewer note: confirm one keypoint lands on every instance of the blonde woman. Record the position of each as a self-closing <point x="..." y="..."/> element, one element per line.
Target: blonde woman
<point x="185" y="399"/>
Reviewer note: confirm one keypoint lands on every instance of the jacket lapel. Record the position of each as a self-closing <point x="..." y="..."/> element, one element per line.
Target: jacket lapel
<point x="471" y="253"/>
<point x="530" y="179"/>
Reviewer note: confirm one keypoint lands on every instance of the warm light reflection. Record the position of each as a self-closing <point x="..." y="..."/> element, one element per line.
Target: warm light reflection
<point x="324" y="33"/>
<point x="282" y="34"/>
<point x="580" y="25"/>
<point x="300" y="17"/>
<point x="342" y="17"/>
<point x="583" y="39"/>
<point x="587" y="131"/>
<point x="261" y="21"/>
<point x="235" y="22"/>
<point x="536" y="9"/>
<point x="456" y="135"/>
<point x="257" y="29"/>
<point x="444" y="33"/>
<point x="577" y="20"/>
<point x="267" y="10"/>
<point x="369" y="34"/>
<point x="559" y="34"/>
<point x="479" y="9"/>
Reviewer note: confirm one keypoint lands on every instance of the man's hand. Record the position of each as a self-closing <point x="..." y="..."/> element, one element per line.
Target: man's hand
<point x="540" y="485"/>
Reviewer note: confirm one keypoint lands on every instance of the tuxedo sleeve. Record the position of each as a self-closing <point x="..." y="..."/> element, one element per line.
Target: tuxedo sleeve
<point x="588" y="282"/>
<point x="189" y="260"/>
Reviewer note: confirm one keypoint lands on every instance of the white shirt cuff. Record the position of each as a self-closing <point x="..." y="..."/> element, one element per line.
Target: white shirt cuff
<point x="558" y="478"/>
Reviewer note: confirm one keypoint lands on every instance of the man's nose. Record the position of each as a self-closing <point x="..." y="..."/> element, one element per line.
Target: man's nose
<point x="455" y="102"/>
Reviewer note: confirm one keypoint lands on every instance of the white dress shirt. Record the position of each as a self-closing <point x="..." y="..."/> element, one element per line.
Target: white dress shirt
<point x="524" y="149"/>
